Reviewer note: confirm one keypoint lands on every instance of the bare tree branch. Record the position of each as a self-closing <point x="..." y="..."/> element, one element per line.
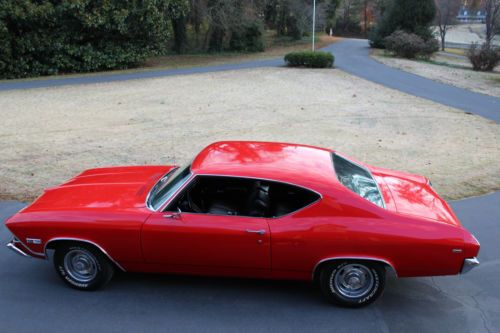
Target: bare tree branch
<point x="492" y="8"/>
<point x="446" y="11"/>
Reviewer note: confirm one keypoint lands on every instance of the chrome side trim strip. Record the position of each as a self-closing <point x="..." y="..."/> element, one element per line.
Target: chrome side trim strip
<point x="84" y="241"/>
<point x="475" y="239"/>
<point x="353" y="258"/>
<point x="12" y="245"/>
<point x="469" y="263"/>
<point x="31" y="252"/>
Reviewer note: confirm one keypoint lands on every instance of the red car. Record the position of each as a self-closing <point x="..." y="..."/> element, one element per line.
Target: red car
<point x="249" y="209"/>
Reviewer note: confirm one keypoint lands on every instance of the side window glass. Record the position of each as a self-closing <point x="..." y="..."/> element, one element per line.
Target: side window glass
<point x="286" y="198"/>
<point x="216" y="195"/>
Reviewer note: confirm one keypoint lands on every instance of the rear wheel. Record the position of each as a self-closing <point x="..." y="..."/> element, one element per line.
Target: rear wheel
<point x="82" y="266"/>
<point x="352" y="283"/>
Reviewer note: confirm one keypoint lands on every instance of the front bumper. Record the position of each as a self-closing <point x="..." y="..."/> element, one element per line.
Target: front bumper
<point x="469" y="264"/>
<point x="16" y="246"/>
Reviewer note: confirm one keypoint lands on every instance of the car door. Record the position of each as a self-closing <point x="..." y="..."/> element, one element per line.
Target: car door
<point x="207" y="240"/>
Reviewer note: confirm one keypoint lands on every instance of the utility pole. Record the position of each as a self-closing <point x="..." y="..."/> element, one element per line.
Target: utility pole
<point x="314" y="22"/>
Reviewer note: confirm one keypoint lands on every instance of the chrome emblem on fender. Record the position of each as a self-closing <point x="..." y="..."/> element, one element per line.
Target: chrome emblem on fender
<point x="35" y="241"/>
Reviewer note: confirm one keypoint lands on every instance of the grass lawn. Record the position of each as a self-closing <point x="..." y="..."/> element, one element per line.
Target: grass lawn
<point x="446" y="69"/>
<point x="461" y="52"/>
<point x="275" y="47"/>
<point x="51" y="134"/>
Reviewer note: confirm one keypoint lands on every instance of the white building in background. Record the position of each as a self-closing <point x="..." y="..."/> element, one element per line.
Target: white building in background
<point x="472" y="12"/>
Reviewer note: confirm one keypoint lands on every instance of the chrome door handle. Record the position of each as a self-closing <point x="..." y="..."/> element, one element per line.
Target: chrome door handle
<point x="260" y="232"/>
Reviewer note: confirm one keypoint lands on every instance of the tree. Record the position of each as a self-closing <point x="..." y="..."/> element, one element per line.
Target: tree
<point x="492" y="9"/>
<point x="54" y="36"/>
<point x="348" y="20"/>
<point x="290" y="17"/>
<point x="446" y="11"/>
<point x="177" y="11"/>
<point x="412" y="16"/>
<point x="331" y="14"/>
<point x="235" y="21"/>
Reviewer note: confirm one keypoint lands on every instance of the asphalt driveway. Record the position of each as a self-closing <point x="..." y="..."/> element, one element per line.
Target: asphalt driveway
<point x="352" y="56"/>
<point x="32" y="298"/>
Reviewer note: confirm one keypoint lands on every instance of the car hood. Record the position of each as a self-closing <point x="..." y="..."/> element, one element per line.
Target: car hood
<point x="102" y="188"/>
<point x="413" y="195"/>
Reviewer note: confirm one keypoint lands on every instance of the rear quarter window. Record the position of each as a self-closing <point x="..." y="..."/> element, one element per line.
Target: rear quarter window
<point x="287" y="198"/>
<point x="357" y="179"/>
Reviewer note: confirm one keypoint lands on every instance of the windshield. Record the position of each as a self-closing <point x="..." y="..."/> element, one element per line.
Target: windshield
<point x="357" y="179"/>
<point x="167" y="186"/>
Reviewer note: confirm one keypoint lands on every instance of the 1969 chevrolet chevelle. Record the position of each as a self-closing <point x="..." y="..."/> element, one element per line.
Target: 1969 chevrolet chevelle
<point x="248" y="209"/>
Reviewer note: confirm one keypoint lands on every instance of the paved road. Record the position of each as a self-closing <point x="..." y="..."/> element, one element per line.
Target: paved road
<point x="352" y="56"/>
<point x="32" y="299"/>
<point x="147" y="74"/>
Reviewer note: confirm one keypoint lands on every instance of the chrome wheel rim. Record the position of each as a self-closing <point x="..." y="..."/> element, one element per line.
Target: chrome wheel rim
<point x="80" y="265"/>
<point x="353" y="280"/>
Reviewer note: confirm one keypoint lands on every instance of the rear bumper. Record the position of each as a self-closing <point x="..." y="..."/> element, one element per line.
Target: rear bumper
<point x="469" y="264"/>
<point x="16" y="246"/>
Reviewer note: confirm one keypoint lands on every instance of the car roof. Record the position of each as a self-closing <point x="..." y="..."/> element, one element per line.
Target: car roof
<point x="303" y="165"/>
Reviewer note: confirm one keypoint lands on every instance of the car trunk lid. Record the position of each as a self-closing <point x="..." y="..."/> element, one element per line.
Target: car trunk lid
<point x="413" y="195"/>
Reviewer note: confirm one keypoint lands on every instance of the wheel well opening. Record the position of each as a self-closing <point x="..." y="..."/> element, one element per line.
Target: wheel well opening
<point x="388" y="267"/>
<point x="53" y="245"/>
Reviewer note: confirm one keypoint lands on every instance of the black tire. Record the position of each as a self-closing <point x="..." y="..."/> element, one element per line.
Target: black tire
<point x="340" y="282"/>
<point x="90" y="269"/>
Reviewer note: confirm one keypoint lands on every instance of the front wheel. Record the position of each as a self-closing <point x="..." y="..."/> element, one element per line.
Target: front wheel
<point x="352" y="283"/>
<point x="82" y="266"/>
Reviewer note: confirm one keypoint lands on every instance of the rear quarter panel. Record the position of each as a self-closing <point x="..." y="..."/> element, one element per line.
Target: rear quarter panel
<point x="345" y="226"/>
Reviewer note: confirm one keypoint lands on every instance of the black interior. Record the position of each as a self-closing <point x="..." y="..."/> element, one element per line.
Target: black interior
<point x="241" y="196"/>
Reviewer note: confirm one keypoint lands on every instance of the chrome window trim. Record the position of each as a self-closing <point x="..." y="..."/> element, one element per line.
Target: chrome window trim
<point x="169" y="199"/>
<point x="84" y="241"/>
<point x="367" y="170"/>
<point x="151" y="189"/>
<point x="260" y="178"/>
<point x="254" y="178"/>
<point x="353" y="258"/>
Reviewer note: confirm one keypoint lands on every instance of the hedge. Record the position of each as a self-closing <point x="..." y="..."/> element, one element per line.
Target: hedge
<point x="43" y="37"/>
<point x="483" y="58"/>
<point x="408" y="45"/>
<point x="311" y="59"/>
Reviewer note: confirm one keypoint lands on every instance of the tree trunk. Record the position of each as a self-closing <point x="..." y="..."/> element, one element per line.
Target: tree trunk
<point x="180" y="35"/>
<point x="366" y="15"/>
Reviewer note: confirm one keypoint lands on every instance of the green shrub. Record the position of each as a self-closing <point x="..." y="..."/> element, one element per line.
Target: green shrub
<point x="248" y="37"/>
<point x="408" y="45"/>
<point x="54" y="36"/>
<point x="412" y="16"/>
<point x="484" y="58"/>
<point x="311" y="59"/>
